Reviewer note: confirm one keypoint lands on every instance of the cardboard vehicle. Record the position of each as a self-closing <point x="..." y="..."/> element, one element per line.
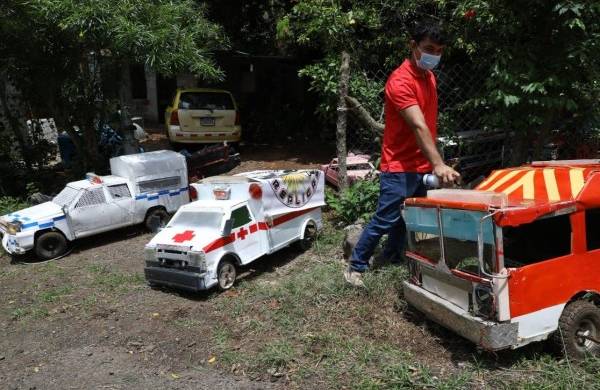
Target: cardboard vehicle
<point x="514" y="260"/>
<point x="235" y="220"/>
<point x="358" y="167"/>
<point x="143" y="187"/>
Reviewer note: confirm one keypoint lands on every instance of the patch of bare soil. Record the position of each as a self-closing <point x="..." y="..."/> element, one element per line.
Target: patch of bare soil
<point x="290" y="155"/>
<point x="89" y="321"/>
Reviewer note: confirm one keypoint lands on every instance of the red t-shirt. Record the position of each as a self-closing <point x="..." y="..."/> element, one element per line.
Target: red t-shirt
<point x="407" y="86"/>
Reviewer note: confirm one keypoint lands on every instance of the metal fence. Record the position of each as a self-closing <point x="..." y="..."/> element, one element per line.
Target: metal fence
<point x="462" y="139"/>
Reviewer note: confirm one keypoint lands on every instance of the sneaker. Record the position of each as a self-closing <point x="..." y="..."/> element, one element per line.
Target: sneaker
<point x="354" y="278"/>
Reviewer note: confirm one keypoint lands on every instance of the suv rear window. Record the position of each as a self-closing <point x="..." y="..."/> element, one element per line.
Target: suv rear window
<point x="205" y="101"/>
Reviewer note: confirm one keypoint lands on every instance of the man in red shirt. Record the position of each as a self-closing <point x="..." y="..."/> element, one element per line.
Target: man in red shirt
<point x="408" y="150"/>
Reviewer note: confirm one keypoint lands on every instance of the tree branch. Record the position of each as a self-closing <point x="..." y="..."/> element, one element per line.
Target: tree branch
<point x="364" y="116"/>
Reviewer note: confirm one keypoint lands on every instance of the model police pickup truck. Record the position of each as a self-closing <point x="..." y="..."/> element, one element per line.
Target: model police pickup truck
<point x="235" y="220"/>
<point x="515" y="261"/>
<point x="143" y="187"/>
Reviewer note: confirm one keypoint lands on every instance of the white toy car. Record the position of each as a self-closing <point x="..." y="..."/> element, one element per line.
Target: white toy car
<point x="143" y="187"/>
<point x="235" y="220"/>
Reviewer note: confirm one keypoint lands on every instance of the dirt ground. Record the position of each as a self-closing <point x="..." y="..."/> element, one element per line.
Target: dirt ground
<point x="289" y="155"/>
<point x="89" y="321"/>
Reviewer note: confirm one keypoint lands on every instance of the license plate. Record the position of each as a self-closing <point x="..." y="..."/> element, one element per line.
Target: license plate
<point x="207" y="121"/>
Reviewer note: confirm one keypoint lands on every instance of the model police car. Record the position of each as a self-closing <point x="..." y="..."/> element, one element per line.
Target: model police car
<point x="143" y="187"/>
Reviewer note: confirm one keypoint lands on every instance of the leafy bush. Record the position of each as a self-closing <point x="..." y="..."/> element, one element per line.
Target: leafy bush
<point x="9" y="204"/>
<point x="358" y="201"/>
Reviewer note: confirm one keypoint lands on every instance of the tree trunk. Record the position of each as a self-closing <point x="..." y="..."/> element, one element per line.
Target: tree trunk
<point x="14" y="122"/>
<point x="342" y="118"/>
<point x="130" y="144"/>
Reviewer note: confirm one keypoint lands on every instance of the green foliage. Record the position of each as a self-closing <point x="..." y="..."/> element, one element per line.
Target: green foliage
<point x="64" y="57"/>
<point x="358" y="201"/>
<point x="538" y="59"/>
<point x="541" y="61"/>
<point x="9" y="204"/>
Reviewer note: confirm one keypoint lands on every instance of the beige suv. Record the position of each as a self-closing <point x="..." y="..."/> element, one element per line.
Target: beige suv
<point x="201" y="115"/>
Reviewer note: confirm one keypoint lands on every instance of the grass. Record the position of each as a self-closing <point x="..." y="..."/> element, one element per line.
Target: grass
<point x="54" y="294"/>
<point x="104" y="277"/>
<point x="309" y="324"/>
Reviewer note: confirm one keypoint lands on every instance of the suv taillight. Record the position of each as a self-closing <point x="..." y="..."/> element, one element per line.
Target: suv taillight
<point x="174" y="118"/>
<point x="193" y="193"/>
<point x="237" y="118"/>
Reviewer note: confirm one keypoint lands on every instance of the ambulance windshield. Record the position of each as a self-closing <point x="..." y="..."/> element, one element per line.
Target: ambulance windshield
<point x="207" y="218"/>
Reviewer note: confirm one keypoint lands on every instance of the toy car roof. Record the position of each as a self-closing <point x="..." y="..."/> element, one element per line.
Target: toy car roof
<point x="149" y="165"/>
<point x="529" y="191"/>
<point x="355" y="159"/>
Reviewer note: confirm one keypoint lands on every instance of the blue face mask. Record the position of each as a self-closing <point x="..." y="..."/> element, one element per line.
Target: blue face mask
<point x="428" y="61"/>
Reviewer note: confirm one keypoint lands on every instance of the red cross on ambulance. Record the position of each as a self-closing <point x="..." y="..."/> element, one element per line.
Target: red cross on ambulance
<point x="242" y="234"/>
<point x="185" y="236"/>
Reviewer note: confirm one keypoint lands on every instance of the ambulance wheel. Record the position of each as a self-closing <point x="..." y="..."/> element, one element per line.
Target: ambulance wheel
<point x="310" y="234"/>
<point x="226" y="274"/>
<point x="156" y="219"/>
<point x="578" y="325"/>
<point x="50" y="245"/>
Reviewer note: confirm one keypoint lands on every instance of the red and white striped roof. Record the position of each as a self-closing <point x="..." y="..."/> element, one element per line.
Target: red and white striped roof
<point x="541" y="182"/>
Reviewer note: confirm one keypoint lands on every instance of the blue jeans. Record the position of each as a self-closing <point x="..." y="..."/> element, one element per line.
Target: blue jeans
<point x="393" y="189"/>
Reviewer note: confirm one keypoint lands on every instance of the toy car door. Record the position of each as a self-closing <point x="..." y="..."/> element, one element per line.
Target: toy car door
<point x="121" y="197"/>
<point x="248" y="237"/>
<point x="92" y="213"/>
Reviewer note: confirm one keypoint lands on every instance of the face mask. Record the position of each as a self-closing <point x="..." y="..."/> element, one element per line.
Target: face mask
<point x="428" y="61"/>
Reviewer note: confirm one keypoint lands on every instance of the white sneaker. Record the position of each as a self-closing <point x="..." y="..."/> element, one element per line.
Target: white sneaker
<point x="354" y="278"/>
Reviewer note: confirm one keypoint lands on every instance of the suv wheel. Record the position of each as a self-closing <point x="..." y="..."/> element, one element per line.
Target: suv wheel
<point x="579" y="326"/>
<point x="156" y="219"/>
<point x="226" y="274"/>
<point x="310" y="234"/>
<point x="50" y="245"/>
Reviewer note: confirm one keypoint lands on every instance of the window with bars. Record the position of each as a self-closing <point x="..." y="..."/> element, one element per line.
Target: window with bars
<point x="66" y="196"/>
<point x="156" y="185"/>
<point x="119" y="191"/>
<point x="91" y="198"/>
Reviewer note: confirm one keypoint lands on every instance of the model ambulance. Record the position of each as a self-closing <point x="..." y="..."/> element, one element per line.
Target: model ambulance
<point x="235" y="220"/>
<point x="143" y="187"/>
<point x="514" y="261"/>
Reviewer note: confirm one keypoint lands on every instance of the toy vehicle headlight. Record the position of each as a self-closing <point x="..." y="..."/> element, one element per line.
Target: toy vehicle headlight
<point x="196" y="258"/>
<point x="149" y="254"/>
<point x="14" y="227"/>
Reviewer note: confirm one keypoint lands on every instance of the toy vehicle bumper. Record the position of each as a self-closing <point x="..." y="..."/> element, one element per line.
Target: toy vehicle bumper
<point x="170" y="277"/>
<point x="16" y="245"/>
<point x="487" y="334"/>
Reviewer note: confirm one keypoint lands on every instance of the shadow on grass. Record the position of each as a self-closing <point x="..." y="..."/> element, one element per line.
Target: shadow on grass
<point x="464" y="351"/>
<point x="87" y="243"/>
<point x="264" y="265"/>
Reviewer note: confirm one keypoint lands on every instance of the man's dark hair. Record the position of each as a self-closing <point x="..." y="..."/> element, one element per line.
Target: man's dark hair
<point x="428" y="29"/>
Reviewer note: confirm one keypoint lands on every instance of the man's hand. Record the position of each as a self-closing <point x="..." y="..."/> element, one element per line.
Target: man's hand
<point x="446" y="174"/>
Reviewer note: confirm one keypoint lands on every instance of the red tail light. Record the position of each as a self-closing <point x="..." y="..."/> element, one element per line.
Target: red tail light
<point x="237" y="118"/>
<point x="174" y="118"/>
<point x="255" y="191"/>
<point x="193" y="193"/>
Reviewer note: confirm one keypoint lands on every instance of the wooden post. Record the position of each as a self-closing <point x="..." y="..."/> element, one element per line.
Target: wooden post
<point x="342" y="119"/>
